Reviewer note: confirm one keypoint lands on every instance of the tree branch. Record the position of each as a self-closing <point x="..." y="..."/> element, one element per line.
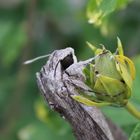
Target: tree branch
<point x="58" y="80"/>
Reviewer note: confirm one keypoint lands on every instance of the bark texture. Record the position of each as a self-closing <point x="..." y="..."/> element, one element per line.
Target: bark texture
<point x="58" y="80"/>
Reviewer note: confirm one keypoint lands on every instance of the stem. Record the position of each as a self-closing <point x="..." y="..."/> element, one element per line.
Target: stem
<point x="132" y="110"/>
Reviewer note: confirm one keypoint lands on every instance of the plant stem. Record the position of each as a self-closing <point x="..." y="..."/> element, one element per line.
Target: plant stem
<point x="132" y="110"/>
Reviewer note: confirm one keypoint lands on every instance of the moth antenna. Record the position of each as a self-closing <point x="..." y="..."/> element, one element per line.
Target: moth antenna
<point x="35" y="59"/>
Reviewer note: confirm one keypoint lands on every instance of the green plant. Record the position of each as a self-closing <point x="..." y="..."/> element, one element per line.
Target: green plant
<point x="110" y="78"/>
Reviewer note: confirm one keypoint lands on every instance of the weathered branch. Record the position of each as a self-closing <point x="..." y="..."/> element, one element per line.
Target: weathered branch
<point x="58" y="80"/>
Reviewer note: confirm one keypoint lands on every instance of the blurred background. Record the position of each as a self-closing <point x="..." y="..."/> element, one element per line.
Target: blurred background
<point x="30" y="28"/>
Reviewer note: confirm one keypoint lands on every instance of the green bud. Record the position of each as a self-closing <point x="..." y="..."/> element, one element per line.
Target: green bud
<point x="110" y="77"/>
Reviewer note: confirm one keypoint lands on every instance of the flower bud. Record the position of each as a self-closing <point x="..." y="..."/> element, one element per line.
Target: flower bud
<point x="110" y="76"/>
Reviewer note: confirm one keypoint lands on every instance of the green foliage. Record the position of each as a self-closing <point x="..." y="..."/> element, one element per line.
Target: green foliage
<point x="28" y="30"/>
<point x="98" y="9"/>
<point x="136" y="133"/>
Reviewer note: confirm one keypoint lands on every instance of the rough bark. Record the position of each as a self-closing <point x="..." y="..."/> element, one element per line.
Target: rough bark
<point x="58" y="80"/>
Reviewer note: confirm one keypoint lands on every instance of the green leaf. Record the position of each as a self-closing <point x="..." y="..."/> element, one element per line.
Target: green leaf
<point x="98" y="9"/>
<point x="136" y="133"/>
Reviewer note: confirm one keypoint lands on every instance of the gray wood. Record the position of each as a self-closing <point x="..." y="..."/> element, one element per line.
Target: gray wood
<point x="58" y="80"/>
